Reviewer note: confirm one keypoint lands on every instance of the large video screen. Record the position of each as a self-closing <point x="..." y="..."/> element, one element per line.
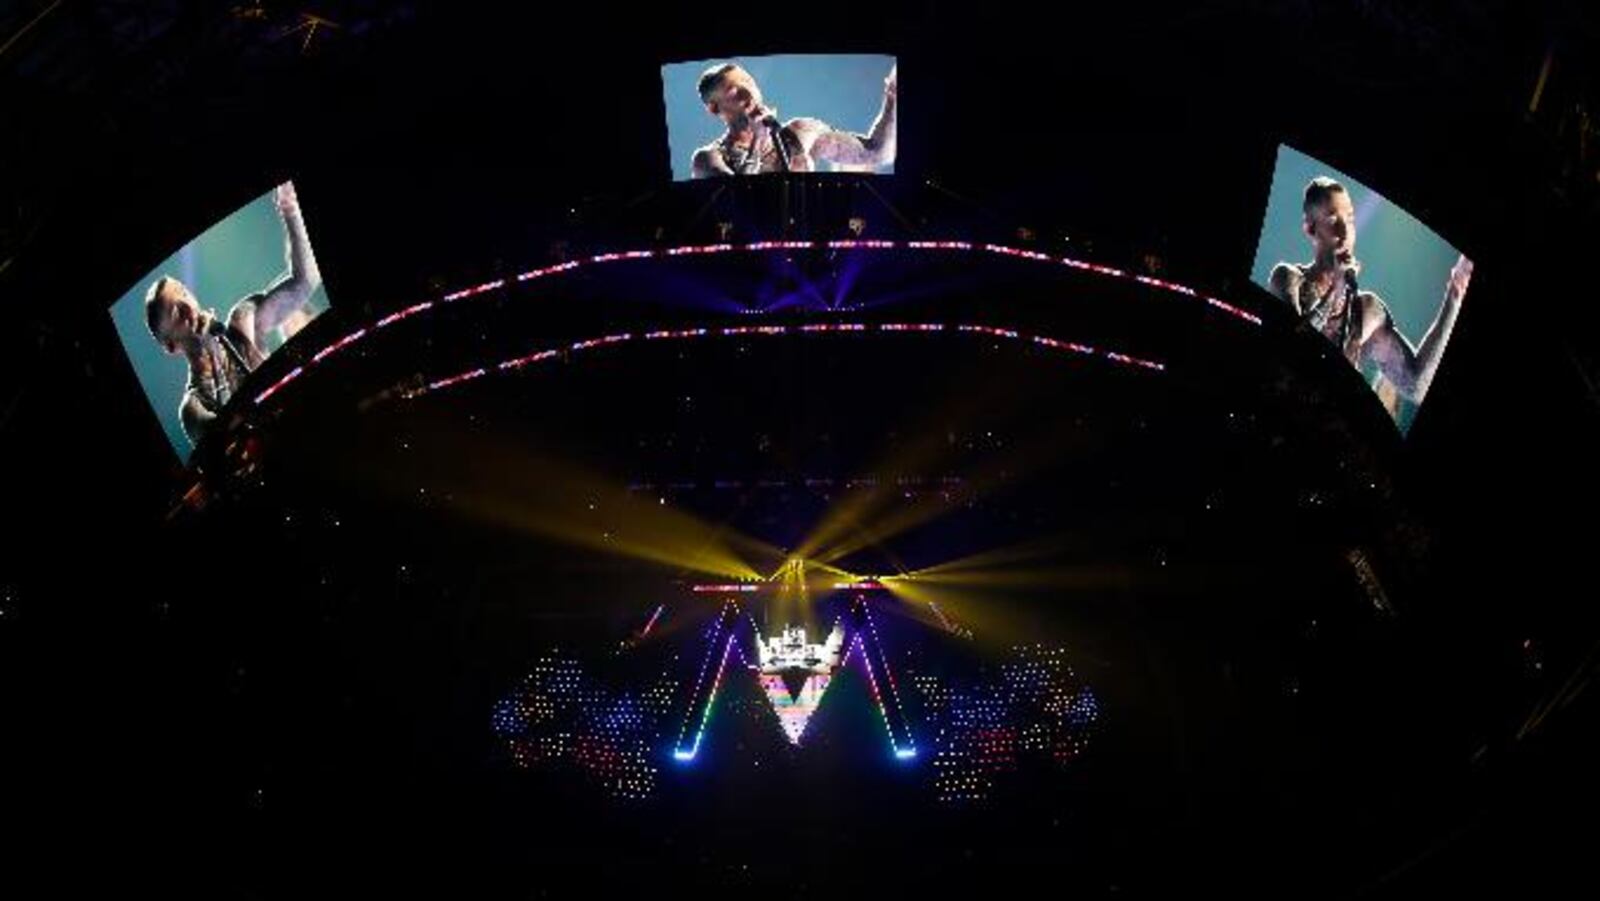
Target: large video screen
<point x="1389" y="302"/>
<point x="203" y="320"/>
<point x="788" y="113"/>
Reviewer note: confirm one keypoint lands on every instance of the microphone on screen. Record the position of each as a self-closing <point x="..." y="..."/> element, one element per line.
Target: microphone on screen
<point x="773" y="126"/>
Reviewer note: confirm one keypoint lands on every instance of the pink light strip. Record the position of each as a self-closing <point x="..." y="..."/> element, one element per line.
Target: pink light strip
<point x="698" y="249"/>
<point x="484" y="288"/>
<point x="781" y="245"/>
<point x="861" y="244"/>
<point x="456" y="379"/>
<point x="519" y="362"/>
<point x="336" y="346"/>
<point x="813" y="328"/>
<point x="645" y="632"/>
<point x="532" y="274"/>
<point x="1018" y="252"/>
<point x="291" y="376"/>
<point x="412" y="310"/>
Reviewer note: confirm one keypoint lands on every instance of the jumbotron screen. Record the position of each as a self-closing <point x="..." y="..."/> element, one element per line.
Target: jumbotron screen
<point x="209" y="314"/>
<point x="786" y="113"/>
<point x="1389" y="302"/>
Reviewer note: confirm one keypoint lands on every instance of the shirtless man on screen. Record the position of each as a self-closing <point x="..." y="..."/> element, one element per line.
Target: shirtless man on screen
<point x="221" y="353"/>
<point x="1325" y="295"/>
<point x="757" y="141"/>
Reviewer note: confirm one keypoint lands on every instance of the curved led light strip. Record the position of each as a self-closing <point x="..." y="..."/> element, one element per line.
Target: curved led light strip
<point x="770" y="330"/>
<point x="759" y="246"/>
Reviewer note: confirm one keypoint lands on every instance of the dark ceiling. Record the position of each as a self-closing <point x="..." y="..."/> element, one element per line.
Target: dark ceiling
<point x="318" y="704"/>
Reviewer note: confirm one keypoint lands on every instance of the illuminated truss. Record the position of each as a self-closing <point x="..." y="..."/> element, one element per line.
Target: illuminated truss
<point x="759" y="246"/>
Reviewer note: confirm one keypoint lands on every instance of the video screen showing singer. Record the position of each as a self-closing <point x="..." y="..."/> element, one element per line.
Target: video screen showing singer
<point x="221" y="352"/>
<point x="755" y="140"/>
<point x="1326" y="294"/>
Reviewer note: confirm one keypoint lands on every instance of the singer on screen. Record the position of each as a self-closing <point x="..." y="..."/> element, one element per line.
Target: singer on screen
<point x="1326" y="295"/>
<point x="756" y="140"/>
<point x="220" y="354"/>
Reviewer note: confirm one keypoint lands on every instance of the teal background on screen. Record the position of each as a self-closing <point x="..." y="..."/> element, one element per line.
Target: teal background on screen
<point x="239" y="256"/>
<point x="844" y="90"/>
<point x="1403" y="261"/>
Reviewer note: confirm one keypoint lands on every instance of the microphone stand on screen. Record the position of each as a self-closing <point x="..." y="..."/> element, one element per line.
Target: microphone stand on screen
<point x="777" y="140"/>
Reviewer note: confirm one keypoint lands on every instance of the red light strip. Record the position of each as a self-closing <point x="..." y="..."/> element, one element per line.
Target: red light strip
<point x="624" y="255"/>
<point x="1134" y="361"/>
<point x="1018" y="252"/>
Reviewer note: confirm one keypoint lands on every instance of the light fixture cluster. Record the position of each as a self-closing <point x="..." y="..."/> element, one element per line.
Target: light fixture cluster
<point x="560" y="718"/>
<point x="1034" y="708"/>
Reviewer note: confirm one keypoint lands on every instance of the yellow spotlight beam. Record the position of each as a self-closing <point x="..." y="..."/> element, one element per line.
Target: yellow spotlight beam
<point x="875" y="514"/>
<point x="928" y="448"/>
<point x="985" y="615"/>
<point x="567" y="503"/>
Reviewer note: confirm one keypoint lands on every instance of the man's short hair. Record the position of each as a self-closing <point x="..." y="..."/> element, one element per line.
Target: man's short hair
<point x="152" y="306"/>
<point x="710" y="78"/>
<point x="1318" y="190"/>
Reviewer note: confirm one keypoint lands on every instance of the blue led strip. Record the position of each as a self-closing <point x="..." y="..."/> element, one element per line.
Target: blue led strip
<point x="903" y="750"/>
<point x="711" y="700"/>
<point x="909" y="749"/>
<point x="699" y="709"/>
<point x="688" y="717"/>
